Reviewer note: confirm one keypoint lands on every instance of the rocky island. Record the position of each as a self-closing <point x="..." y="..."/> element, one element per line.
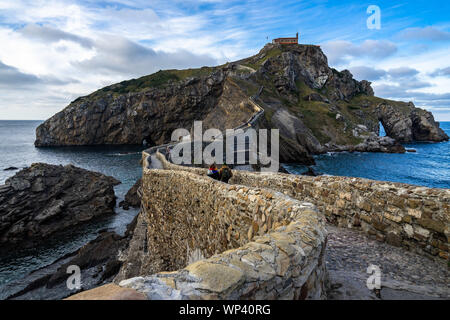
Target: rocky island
<point x="315" y="107"/>
<point x="44" y="199"/>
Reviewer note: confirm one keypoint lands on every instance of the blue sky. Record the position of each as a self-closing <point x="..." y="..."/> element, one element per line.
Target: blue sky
<point x="54" y="51"/>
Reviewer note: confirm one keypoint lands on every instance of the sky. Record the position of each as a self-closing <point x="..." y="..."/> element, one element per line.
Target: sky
<point x="52" y="52"/>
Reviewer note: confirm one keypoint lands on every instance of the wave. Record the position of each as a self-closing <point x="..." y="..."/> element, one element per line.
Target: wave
<point x="120" y="154"/>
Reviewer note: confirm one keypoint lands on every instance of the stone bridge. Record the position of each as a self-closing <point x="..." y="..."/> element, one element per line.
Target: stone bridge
<point x="253" y="243"/>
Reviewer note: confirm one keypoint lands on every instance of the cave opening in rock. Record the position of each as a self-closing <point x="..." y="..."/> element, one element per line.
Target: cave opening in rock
<point x="381" y="132"/>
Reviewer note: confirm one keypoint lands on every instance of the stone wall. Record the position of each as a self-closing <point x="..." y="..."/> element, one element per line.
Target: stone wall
<point x="417" y="218"/>
<point x="259" y="243"/>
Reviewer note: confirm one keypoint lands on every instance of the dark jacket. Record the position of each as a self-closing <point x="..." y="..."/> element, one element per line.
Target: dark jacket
<point x="225" y="174"/>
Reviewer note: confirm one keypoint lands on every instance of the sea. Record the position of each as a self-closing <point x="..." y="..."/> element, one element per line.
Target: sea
<point x="17" y="150"/>
<point x="428" y="166"/>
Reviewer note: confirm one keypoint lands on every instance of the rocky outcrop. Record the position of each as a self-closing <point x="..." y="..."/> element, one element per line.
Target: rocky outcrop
<point x="409" y="123"/>
<point x="132" y="198"/>
<point x="309" y="64"/>
<point x="98" y="261"/>
<point x="380" y="144"/>
<point x="371" y="144"/>
<point x="10" y="169"/>
<point x="135" y="259"/>
<point x="150" y="115"/>
<point x="43" y="199"/>
<point x="344" y="87"/>
<point x="294" y="129"/>
<point x="310" y="172"/>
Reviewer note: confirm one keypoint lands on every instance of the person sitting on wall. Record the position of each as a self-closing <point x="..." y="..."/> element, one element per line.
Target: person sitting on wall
<point x="213" y="172"/>
<point x="168" y="158"/>
<point x="225" y="173"/>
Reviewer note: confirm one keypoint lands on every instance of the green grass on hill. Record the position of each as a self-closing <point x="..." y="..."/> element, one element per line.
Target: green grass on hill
<point x="361" y="99"/>
<point x="255" y="62"/>
<point x="155" y="80"/>
<point x="151" y="81"/>
<point x="321" y="120"/>
<point x="268" y="114"/>
<point x="248" y="87"/>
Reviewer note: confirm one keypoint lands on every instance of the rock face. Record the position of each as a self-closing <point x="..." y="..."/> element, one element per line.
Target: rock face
<point x="309" y="64"/>
<point x="109" y="116"/>
<point x="371" y="144"/>
<point x="136" y="259"/>
<point x="43" y="199"/>
<point x="132" y="198"/>
<point x="315" y="107"/>
<point x="410" y="123"/>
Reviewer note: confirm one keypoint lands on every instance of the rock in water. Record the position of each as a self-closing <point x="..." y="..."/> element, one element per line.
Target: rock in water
<point x="282" y="169"/>
<point x="10" y="169"/>
<point x="408" y="123"/>
<point x="132" y="198"/>
<point x="380" y="144"/>
<point x="310" y="172"/>
<point x="43" y="199"/>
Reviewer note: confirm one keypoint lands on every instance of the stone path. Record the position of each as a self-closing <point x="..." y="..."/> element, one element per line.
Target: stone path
<point x="404" y="275"/>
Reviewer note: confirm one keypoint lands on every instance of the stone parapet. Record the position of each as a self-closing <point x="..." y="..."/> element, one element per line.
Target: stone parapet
<point x="258" y="243"/>
<point x="417" y="218"/>
<point x="287" y="263"/>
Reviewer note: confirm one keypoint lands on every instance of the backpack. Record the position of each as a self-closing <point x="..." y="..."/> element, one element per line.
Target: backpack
<point x="226" y="173"/>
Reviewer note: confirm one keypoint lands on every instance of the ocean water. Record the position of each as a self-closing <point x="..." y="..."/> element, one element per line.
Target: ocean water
<point x="429" y="166"/>
<point x="17" y="149"/>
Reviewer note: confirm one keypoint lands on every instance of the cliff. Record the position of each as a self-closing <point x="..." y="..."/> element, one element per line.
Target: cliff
<point x="316" y="108"/>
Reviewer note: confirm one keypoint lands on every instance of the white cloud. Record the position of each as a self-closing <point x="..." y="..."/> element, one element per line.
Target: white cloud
<point x="427" y="33"/>
<point x="402" y="72"/>
<point x="51" y="35"/>
<point x="11" y="77"/>
<point x="117" y="55"/>
<point x="341" y="51"/>
<point x="367" y="73"/>
<point x="441" y="72"/>
<point x="61" y="49"/>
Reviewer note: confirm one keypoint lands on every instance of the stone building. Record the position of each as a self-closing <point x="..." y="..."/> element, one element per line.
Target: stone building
<point x="286" y="40"/>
